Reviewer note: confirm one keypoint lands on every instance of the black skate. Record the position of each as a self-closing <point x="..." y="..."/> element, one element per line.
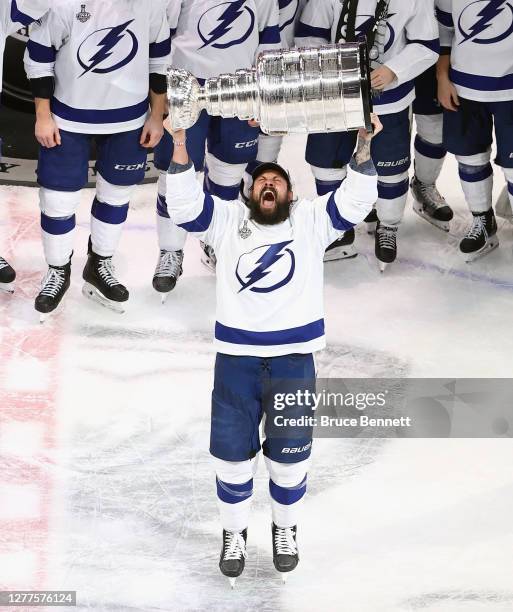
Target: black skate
<point x="430" y="204"/>
<point x="208" y="257"/>
<point x="53" y="287"/>
<point x="167" y="272"/>
<point x="343" y="248"/>
<point x="7" y="276"/>
<point x="385" y="245"/>
<point x="372" y="222"/>
<point x="481" y="238"/>
<point x="101" y="284"/>
<point x="285" y="554"/>
<point x="233" y="554"/>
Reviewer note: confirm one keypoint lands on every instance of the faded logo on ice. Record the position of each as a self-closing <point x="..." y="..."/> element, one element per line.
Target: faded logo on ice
<point x="266" y="268"/>
<point x="226" y="25"/>
<point x="486" y="21"/>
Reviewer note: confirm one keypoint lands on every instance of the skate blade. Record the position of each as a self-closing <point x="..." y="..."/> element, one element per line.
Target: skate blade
<point x="7" y="288"/>
<point x="163" y="298"/>
<point x="441" y="225"/>
<point x="382" y="266"/>
<point x="371" y="228"/>
<point x="490" y="246"/>
<point x="345" y="252"/>
<point x="232" y="582"/>
<point x="43" y="317"/>
<point x="93" y="294"/>
<point x="284" y="577"/>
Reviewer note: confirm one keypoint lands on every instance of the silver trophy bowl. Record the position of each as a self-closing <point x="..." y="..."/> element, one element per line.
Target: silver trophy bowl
<point x="323" y="89"/>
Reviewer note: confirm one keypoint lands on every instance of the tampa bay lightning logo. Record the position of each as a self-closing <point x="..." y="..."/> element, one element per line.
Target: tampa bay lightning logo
<point x="226" y="25"/>
<point x="486" y="21"/>
<point x="286" y="4"/>
<point x="108" y="49"/>
<point x="366" y="23"/>
<point x="266" y="268"/>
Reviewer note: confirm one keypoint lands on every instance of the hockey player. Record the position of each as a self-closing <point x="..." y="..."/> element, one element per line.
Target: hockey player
<point x="13" y="16"/>
<point x="91" y="67"/>
<point x="403" y="43"/>
<point x="212" y="37"/>
<point x="269" y="321"/>
<point x="430" y="153"/>
<point x="475" y="87"/>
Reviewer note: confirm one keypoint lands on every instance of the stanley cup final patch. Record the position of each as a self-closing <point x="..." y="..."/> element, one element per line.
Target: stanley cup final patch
<point x="83" y="16"/>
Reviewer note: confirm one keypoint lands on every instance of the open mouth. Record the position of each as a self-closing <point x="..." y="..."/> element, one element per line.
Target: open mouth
<point x="268" y="198"/>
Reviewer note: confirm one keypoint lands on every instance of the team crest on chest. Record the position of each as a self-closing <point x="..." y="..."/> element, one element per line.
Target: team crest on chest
<point x="227" y="24"/>
<point x="266" y="268"/>
<point x="83" y="15"/>
<point x="486" y="22"/>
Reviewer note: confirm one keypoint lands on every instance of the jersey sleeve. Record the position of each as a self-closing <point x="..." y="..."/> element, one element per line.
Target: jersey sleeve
<point x="46" y="38"/>
<point x="341" y="210"/>
<point x="423" y="43"/>
<point x="269" y="35"/>
<point x="315" y="24"/>
<point x="16" y="14"/>
<point x="195" y="211"/>
<point x="160" y="39"/>
<point x="445" y="24"/>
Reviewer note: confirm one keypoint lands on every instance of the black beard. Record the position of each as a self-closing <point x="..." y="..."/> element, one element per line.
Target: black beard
<point x="280" y="213"/>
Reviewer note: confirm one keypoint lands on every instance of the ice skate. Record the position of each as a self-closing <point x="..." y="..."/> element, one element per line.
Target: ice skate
<point x="385" y="245"/>
<point x="285" y="552"/>
<point x="7" y="276"/>
<point x="53" y="287"/>
<point x="233" y="554"/>
<point x="208" y="257"/>
<point x="429" y="204"/>
<point x="503" y="207"/>
<point x="167" y="272"/>
<point x="101" y="284"/>
<point x="481" y="238"/>
<point x="343" y="248"/>
<point x="372" y="222"/>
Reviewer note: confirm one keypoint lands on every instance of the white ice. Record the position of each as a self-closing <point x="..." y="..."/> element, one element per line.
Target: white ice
<point x="105" y="482"/>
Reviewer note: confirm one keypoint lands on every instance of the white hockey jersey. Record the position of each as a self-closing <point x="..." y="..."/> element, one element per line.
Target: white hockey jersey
<point x="409" y="44"/>
<point x="290" y="12"/>
<point x="14" y="14"/>
<point x="215" y="36"/>
<point x="269" y="278"/>
<point x="101" y="54"/>
<point x="480" y="35"/>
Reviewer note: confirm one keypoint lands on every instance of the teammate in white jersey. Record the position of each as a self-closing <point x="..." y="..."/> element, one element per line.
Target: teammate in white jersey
<point x="475" y="87"/>
<point x="403" y="43"/>
<point x="270" y="319"/>
<point x="94" y="69"/>
<point x="14" y="15"/>
<point x="212" y="37"/>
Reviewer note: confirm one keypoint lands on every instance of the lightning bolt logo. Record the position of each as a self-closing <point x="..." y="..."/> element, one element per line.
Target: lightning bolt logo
<point x="225" y="23"/>
<point x="263" y="265"/>
<point x="485" y="19"/>
<point x="367" y="24"/>
<point x="105" y="48"/>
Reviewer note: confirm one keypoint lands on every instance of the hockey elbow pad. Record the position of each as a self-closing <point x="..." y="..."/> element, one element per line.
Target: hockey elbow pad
<point x="158" y="83"/>
<point x="43" y="87"/>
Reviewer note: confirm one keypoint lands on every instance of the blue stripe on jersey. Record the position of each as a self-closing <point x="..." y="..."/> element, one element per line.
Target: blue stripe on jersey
<point x="396" y="94"/>
<point x="474" y="174"/>
<point x="391" y="191"/>
<point x="433" y="45"/>
<point x="234" y="493"/>
<point x="295" y="335"/>
<point x="287" y="495"/>
<point x="41" y="53"/>
<point x="481" y="83"/>
<point x="57" y="226"/>
<point x="203" y="220"/>
<point x="337" y="219"/>
<point x="114" y="215"/>
<point x="270" y="36"/>
<point x="87" y="115"/>
<point x="444" y="18"/>
<point x="161" y="49"/>
<point x="18" y="17"/>
<point x="304" y="30"/>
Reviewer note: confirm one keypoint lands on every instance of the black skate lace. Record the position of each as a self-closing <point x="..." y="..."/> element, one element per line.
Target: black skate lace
<point x="52" y="282"/>
<point x="387" y="237"/>
<point x="235" y="546"/>
<point x="3" y="263"/>
<point x="478" y="227"/>
<point x="107" y="272"/>
<point x="169" y="263"/>
<point x="284" y="541"/>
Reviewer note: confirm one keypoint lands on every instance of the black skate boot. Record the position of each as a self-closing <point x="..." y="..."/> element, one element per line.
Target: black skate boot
<point x="343" y="248"/>
<point x="430" y="204"/>
<point x="481" y="238"/>
<point x="208" y="257"/>
<point x="285" y="554"/>
<point x="167" y="272"/>
<point x="53" y="287"/>
<point x="233" y="554"/>
<point x="372" y="222"/>
<point x="7" y="276"/>
<point x="101" y="284"/>
<point x="385" y="245"/>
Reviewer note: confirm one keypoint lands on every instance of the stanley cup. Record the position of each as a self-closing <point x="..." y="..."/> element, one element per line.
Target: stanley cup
<point x="325" y="89"/>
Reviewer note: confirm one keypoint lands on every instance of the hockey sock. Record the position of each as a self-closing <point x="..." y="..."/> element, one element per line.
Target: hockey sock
<point x="108" y="214"/>
<point x="429" y="150"/>
<point x="392" y="196"/>
<point x="234" y="483"/>
<point x="170" y="236"/>
<point x="58" y="224"/>
<point x="287" y="486"/>
<point x="476" y="176"/>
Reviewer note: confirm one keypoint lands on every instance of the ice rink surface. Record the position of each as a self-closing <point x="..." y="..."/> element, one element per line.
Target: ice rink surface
<point x="105" y="481"/>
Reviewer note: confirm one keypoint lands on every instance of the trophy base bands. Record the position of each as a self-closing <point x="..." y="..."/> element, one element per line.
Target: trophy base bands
<point x="38" y="598"/>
